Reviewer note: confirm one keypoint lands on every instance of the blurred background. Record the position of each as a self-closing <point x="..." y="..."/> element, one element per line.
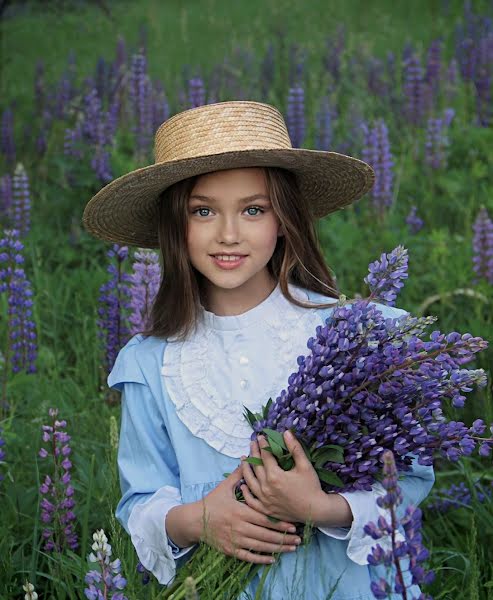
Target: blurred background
<point x="406" y="86"/>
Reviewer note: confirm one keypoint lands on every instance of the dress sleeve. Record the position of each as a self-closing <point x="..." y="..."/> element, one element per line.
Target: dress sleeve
<point x="148" y="470"/>
<point x="415" y="486"/>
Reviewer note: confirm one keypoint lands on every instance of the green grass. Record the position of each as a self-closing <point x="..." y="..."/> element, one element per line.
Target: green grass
<point x="66" y="266"/>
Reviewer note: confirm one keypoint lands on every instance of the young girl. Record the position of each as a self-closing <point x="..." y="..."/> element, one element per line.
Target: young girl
<point x="231" y="205"/>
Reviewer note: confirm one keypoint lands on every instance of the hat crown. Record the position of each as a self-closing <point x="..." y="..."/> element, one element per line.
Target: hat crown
<point x="221" y="127"/>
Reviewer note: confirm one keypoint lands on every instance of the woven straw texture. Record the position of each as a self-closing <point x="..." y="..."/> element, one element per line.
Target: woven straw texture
<point x="213" y="137"/>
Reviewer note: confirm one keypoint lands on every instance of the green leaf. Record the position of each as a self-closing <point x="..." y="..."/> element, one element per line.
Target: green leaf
<point x="329" y="477"/>
<point x="276" y="436"/>
<point x="253" y="460"/>
<point x="287" y="463"/>
<point x="273" y="519"/>
<point x="249" y="416"/>
<point x="226" y="474"/>
<point x="333" y="454"/>
<point x="275" y="449"/>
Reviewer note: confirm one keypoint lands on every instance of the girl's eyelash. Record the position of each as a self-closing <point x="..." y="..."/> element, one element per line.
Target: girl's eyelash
<point x="207" y="208"/>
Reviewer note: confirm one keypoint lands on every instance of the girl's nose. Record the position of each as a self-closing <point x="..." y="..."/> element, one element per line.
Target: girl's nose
<point x="228" y="230"/>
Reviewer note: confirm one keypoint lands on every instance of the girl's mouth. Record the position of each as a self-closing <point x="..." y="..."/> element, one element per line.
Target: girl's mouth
<point x="232" y="263"/>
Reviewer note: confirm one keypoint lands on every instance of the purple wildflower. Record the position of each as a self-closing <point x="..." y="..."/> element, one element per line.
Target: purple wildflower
<point x="196" y="92"/>
<point x="2" y="454"/>
<point x="415" y="90"/>
<point x="483" y="246"/>
<point x="21" y="205"/>
<point x="21" y="352"/>
<point x="483" y="77"/>
<point x="141" y="95"/>
<point x="295" y="120"/>
<point x="58" y="501"/>
<point x="7" y="144"/>
<point x="437" y="140"/>
<point x="6" y="200"/>
<point x="458" y="495"/>
<point x="95" y="131"/>
<point x="386" y="275"/>
<point x="39" y="87"/>
<point x="146" y="577"/>
<point x="414" y="222"/>
<point x="72" y="142"/>
<point x="433" y="74"/>
<point x="108" y="577"/>
<point x="145" y="282"/>
<point x="372" y="384"/>
<point x="324" y="118"/>
<point x="451" y="81"/>
<point x="114" y="299"/>
<point x="160" y="106"/>
<point x="410" y="547"/>
<point x="378" y="155"/>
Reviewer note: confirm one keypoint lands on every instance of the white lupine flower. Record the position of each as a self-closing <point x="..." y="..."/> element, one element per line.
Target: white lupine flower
<point x="31" y="594"/>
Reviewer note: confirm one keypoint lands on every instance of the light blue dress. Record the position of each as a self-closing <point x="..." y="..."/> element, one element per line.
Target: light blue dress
<point x="182" y="427"/>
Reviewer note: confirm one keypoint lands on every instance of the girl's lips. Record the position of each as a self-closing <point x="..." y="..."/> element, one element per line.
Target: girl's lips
<point x="230" y="264"/>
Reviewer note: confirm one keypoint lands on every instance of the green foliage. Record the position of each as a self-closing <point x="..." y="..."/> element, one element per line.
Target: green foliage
<point x="67" y="267"/>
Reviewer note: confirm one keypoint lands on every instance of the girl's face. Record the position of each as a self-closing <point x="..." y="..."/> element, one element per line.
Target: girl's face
<point x="222" y="220"/>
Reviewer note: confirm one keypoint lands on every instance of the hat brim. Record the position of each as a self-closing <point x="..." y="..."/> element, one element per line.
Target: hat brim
<point x="125" y="211"/>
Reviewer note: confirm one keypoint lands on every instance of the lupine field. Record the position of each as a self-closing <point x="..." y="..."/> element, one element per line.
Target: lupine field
<point x="407" y="87"/>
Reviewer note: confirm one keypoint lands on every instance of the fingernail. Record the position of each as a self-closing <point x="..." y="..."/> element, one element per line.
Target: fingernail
<point x="292" y="529"/>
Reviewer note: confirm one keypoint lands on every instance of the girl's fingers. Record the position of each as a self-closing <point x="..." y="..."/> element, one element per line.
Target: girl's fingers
<point x="250" y="499"/>
<point x="251" y="481"/>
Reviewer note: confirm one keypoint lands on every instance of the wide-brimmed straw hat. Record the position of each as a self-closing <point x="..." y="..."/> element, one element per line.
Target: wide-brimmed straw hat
<point x="213" y="137"/>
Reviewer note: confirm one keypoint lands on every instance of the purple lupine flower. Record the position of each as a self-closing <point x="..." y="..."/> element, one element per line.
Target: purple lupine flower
<point x="433" y="75"/>
<point x="72" y="146"/>
<point x="146" y="575"/>
<point x="458" y="495"/>
<point x="483" y="77"/>
<point x="160" y="106"/>
<point x="21" y="204"/>
<point x="377" y="153"/>
<point x="63" y="96"/>
<point x="371" y="384"/>
<point x="2" y="454"/>
<point x="39" y="87"/>
<point x="437" y="140"/>
<point x="296" y="62"/>
<point x="386" y="275"/>
<point x="335" y="47"/>
<point x="196" y="92"/>
<point x="451" y="81"/>
<point x="324" y="118"/>
<point x="145" y="281"/>
<point x="114" y="299"/>
<point x="410" y="547"/>
<point x="414" y="222"/>
<point x="6" y="200"/>
<point x="58" y="502"/>
<point x="295" y="120"/>
<point x="7" y="144"/>
<point x="101" y="77"/>
<point x="44" y="129"/>
<point x="20" y="353"/>
<point x="107" y="578"/>
<point x="483" y="246"/>
<point x="141" y="97"/>
<point x="95" y="131"/>
<point x="415" y="92"/>
<point x="267" y="70"/>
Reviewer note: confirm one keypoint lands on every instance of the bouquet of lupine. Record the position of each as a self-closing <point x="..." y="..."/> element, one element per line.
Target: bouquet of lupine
<point x="371" y="384"/>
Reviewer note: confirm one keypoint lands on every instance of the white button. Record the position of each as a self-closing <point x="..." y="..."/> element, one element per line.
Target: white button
<point x="243" y="383"/>
<point x="244" y="360"/>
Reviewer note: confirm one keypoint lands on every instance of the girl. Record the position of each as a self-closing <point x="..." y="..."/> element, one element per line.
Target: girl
<point x="231" y="205"/>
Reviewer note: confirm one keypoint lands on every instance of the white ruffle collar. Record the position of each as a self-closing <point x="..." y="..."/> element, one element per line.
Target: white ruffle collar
<point x="188" y="368"/>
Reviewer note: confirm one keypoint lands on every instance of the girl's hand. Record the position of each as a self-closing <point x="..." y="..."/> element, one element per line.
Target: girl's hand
<point x="292" y="495"/>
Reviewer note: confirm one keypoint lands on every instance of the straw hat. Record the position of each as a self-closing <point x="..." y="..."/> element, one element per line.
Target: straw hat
<point x="213" y="137"/>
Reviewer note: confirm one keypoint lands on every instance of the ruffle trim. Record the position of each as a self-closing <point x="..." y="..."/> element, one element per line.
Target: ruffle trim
<point x="203" y="408"/>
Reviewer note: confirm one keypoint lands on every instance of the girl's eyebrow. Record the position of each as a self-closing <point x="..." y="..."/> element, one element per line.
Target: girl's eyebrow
<point x="242" y="200"/>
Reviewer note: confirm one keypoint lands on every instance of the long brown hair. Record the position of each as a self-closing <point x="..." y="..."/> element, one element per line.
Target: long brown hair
<point x="176" y="307"/>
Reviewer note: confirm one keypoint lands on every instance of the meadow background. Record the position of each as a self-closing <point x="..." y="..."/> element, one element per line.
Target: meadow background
<point x="404" y="85"/>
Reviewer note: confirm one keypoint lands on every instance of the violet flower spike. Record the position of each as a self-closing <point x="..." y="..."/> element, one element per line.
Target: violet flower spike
<point x="410" y="547"/>
<point x="58" y="501"/>
<point x="107" y="578"/>
<point x="386" y="275"/>
<point x="145" y="281"/>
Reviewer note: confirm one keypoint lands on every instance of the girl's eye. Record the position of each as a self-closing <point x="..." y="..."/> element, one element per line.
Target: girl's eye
<point x="249" y="208"/>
